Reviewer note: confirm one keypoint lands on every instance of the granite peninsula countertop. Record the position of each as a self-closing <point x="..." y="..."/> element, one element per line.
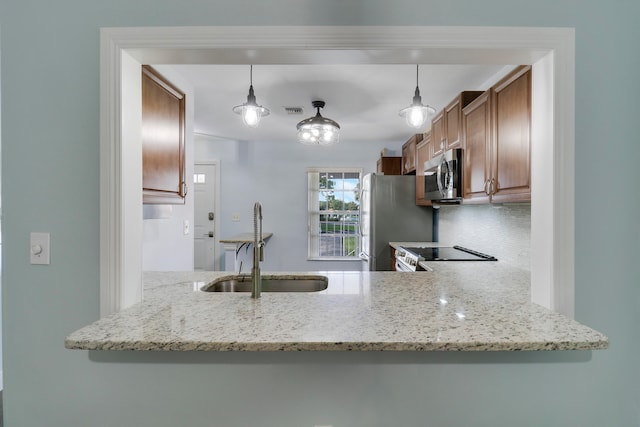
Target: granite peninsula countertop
<point x="457" y="307"/>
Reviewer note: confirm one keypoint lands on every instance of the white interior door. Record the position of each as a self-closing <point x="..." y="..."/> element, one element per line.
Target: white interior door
<point x="204" y="238"/>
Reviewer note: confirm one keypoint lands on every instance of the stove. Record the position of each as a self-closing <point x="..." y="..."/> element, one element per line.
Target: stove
<point x="407" y="258"/>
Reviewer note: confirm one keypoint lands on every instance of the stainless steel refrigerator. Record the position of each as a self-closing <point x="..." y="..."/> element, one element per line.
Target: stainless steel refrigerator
<point x="388" y="213"/>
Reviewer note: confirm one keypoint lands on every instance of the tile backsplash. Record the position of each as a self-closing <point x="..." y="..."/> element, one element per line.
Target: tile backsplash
<point x="503" y="231"/>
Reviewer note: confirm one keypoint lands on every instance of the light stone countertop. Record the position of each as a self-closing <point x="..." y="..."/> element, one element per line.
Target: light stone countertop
<point x="458" y="307"/>
<point x="395" y="245"/>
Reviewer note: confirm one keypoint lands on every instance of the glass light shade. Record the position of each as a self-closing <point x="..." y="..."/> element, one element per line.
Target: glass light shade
<point x="318" y="130"/>
<point x="250" y="111"/>
<point x="318" y="134"/>
<point x="251" y="114"/>
<point x="416" y="115"/>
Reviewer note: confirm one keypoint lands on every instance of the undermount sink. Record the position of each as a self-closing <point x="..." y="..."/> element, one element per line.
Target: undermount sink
<point x="270" y="283"/>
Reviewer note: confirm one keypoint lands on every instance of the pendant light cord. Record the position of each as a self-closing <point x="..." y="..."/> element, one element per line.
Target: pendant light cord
<point x="417" y="100"/>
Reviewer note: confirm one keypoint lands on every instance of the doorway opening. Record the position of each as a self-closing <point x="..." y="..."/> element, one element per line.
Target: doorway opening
<point x="549" y="50"/>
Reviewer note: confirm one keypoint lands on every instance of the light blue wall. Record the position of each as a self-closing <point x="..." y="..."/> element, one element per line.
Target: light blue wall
<point x="0" y="236"/>
<point x="50" y="175"/>
<point x="274" y="173"/>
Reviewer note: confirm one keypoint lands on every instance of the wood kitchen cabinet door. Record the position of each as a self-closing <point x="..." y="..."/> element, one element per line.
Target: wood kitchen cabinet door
<point x="438" y="134"/>
<point x="163" y="140"/>
<point x="446" y="126"/>
<point x="389" y="165"/>
<point x="452" y="129"/>
<point x="497" y="136"/>
<point x="409" y="154"/>
<point x="423" y="153"/>
<point x="393" y="257"/>
<point x="511" y="156"/>
<point x="476" y="129"/>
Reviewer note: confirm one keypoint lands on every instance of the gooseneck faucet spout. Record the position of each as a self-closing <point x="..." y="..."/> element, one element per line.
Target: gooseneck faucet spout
<point x="258" y="251"/>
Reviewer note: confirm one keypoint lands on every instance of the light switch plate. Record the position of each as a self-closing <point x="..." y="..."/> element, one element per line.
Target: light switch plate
<point x="40" y="249"/>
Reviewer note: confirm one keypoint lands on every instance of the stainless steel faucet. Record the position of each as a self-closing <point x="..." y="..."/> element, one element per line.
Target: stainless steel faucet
<point x="258" y="251"/>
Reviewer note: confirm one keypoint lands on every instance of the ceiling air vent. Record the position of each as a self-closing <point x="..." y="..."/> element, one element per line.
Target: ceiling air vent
<point x="293" y="110"/>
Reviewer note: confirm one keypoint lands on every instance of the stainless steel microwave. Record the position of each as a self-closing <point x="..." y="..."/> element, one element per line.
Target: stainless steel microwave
<point x="443" y="177"/>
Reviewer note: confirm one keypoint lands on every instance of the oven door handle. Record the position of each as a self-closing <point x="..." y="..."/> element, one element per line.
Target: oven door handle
<point x="401" y="267"/>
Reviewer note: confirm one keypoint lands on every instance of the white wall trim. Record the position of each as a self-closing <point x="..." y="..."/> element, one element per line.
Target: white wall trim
<point x="120" y="204"/>
<point x="111" y="214"/>
<point x="341" y="44"/>
<point x="542" y="158"/>
<point x="563" y="188"/>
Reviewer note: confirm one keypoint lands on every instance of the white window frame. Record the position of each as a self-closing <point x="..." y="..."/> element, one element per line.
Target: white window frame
<point x="313" y="213"/>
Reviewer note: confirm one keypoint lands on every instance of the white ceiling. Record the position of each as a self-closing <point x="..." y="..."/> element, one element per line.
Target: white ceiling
<point x="363" y="98"/>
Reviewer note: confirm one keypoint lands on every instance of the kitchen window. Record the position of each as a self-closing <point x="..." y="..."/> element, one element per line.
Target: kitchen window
<point x="334" y="213"/>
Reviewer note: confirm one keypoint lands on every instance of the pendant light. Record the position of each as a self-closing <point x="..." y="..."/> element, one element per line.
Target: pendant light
<point x="318" y="130"/>
<point x="250" y="111"/>
<point x="416" y="113"/>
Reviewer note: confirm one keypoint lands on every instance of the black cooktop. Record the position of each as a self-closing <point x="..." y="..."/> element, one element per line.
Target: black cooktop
<point x="450" y="253"/>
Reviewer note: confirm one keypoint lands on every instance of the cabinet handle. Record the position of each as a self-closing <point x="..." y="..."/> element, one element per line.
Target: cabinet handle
<point x="486" y="183"/>
<point x="493" y="186"/>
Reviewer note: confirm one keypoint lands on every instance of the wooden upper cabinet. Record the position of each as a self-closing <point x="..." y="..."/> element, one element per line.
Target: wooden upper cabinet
<point x="476" y="129"/>
<point x="423" y="153"/>
<point x="511" y="156"/>
<point x="437" y="134"/>
<point x="497" y="133"/>
<point x="446" y="126"/>
<point x="163" y="140"/>
<point x="453" y="132"/>
<point x="389" y="165"/>
<point x="409" y="154"/>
